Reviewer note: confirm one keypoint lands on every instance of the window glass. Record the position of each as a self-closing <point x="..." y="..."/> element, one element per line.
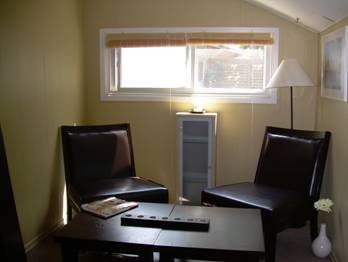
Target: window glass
<point x="153" y="67"/>
<point x="230" y="67"/>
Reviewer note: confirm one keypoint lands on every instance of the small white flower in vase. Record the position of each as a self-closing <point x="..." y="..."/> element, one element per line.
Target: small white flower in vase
<point x="321" y="246"/>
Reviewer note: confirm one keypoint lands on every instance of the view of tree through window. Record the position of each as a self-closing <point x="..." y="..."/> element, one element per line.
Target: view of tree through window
<point x="230" y="66"/>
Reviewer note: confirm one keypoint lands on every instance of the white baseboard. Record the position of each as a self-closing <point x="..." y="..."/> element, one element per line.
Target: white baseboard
<point x="36" y="240"/>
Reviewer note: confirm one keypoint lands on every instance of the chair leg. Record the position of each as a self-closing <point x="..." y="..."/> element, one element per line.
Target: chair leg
<point x="270" y="236"/>
<point x="69" y="210"/>
<point x="270" y="245"/>
<point x="314" y="225"/>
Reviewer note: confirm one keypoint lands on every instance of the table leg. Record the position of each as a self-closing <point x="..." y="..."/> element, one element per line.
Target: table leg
<point x="252" y="258"/>
<point x="146" y="257"/>
<point x="69" y="254"/>
<point x="166" y="257"/>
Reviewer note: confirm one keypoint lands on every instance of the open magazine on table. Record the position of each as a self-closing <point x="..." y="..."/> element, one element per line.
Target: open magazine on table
<point x="108" y="207"/>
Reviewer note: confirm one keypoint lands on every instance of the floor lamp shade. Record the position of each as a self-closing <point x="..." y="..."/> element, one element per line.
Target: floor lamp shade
<point x="289" y="74"/>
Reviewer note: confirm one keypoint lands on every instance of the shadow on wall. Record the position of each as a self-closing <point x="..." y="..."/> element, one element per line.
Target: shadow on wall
<point x="55" y="209"/>
<point x="328" y="191"/>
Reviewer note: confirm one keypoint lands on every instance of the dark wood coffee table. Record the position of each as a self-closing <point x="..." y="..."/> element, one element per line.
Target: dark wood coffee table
<point x="234" y="234"/>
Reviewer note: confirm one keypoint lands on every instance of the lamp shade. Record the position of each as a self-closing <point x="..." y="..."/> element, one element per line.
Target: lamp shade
<point x="289" y="73"/>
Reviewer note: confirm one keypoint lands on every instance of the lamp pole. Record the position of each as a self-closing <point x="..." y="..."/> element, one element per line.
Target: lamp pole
<point x="291" y="109"/>
<point x="289" y="74"/>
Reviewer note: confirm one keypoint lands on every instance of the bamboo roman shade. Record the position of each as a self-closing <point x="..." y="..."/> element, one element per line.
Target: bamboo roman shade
<point x="119" y="40"/>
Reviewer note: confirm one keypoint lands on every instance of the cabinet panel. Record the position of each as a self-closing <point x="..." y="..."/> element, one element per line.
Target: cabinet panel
<point x="195" y="128"/>
<point x="191" y="190"/>
<point x="197" y="134"/>
<point x="195" y="157"/>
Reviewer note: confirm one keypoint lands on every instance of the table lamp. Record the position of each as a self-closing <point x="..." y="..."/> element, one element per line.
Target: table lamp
<point x="289" y="74"/>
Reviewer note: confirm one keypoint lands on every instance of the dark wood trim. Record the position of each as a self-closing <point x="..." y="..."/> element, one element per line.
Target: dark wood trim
<point x="11" y="245"/>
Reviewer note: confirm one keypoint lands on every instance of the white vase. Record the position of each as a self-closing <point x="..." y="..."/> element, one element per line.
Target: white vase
<point x="321" y="246"/>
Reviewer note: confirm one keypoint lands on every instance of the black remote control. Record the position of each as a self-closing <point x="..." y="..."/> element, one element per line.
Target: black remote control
<point x="177" y="223"/>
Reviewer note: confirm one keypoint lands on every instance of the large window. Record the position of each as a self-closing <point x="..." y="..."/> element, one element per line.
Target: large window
<point x="229" y="64"/>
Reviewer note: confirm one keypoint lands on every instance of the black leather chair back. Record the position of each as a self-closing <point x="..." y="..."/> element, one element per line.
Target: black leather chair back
<point x="96" y="152"/>
<point x="11" y="243"/>
<point x="293" y="159"/>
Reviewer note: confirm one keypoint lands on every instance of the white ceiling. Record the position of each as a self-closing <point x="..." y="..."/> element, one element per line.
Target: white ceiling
<point x="314" y="14"/>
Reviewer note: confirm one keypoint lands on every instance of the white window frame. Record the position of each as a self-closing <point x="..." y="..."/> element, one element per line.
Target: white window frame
<point x="266" y="96"/>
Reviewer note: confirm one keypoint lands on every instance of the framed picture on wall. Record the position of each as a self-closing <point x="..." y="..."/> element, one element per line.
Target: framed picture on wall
<point x="334" y="64"/>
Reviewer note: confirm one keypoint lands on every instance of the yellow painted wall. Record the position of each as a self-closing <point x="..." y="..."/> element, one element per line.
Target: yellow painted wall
<point x="240" y="126"/>
<point x="40" y="89"/>
<point x="333" y="116"/>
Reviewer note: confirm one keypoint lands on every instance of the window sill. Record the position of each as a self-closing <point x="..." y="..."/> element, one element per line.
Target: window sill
<point x="269" y="97"/>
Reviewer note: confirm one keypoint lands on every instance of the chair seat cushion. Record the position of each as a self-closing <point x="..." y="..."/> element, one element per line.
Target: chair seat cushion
<point x="130" y="188"/>
<point x="276" y="201"/>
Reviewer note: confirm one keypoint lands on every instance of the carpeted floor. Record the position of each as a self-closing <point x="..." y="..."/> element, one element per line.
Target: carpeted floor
<point x="294" y="245"/>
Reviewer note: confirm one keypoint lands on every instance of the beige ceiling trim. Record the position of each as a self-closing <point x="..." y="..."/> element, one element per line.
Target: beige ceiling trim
<point x="282" y="15"/>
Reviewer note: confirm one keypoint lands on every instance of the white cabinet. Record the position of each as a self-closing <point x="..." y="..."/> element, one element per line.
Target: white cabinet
<point x="197" y="135"/>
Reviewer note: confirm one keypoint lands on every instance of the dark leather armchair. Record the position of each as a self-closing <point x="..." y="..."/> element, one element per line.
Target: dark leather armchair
<point x="99" y="163"/>
<point x="287" y="183"/>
